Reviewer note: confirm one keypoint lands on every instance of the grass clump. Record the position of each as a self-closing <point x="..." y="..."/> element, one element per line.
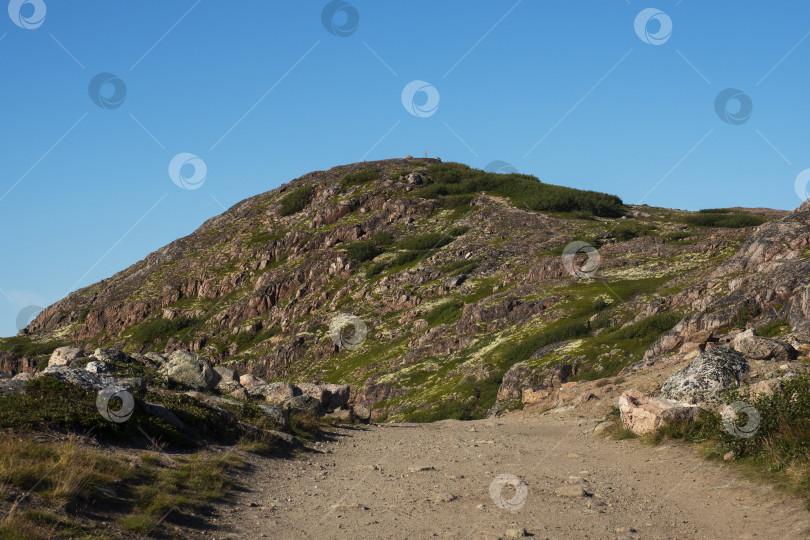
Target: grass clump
<point x="360" y="177"/>
<point x="773" y="328"/>
<point x="160" y="329"/>
<point x="295" y="201"/>
<point x="627" y="231"/>
<point x="723" y="218"/>
<point x="649" y="328"/>
<point x="445" y="313"/>
<point x="522" y="190"/>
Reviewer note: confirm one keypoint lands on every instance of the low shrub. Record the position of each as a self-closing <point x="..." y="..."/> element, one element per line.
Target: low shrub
<point x="360" y="177"/>
<point x="295" y="201"/>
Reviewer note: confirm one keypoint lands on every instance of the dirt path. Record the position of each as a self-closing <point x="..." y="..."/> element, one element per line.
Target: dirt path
<point x="434" y="480"/>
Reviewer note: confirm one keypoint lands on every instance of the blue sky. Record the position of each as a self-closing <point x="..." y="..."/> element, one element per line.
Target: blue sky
<point x="262" y="92"/>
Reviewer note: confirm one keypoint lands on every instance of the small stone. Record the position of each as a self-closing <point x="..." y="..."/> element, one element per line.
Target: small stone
<point x="516" y="533"/>
<point x="730" y="456"/>
<point x="571" y="491"/>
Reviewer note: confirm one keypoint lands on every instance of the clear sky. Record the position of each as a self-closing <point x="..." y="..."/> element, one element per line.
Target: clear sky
<point x="99" y="97"/>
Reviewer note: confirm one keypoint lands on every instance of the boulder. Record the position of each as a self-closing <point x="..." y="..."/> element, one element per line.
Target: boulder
<point x="340" y="415"/>
<point x="192" y="370"/>
<point x="247" y="380"/>
<point x="643" y="414"/>
<point x="239" y="393"/>
<point x="228" y="381"/>
<point x="91" y="382"/>
<point x="531" y="397"/>
<point x="278" y="415"/>
<point x="766" y="387"/>
<point x="755" y="347"/>
<point x="709" y="374"/>
<point x="307" y="405"/>
<point x="97" y="366"/>
<point x="24" y="376"/>
<point x="331" y="396"/>
<point x="156" y="358"/>
<point x="362" y="412"/>
<point x="110" y="356"/>
<point x="277" y="393"/>
<point x="62" y="356"/>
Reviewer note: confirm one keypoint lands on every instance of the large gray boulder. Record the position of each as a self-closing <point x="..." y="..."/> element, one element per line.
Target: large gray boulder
<point x="110" y="356"/>
<point x="277" y="393"/>
<point x="755" y="347"/>
<point x="62" y="356"/>
<point x="331" y="396"/>
<point x="92" y="382"/>
<point x="192" y="370"/>
<point x="643" y="414"/>
<point x="277" y="415"/>
<point x="706" y="377"/>
<point x="307" y="405"/>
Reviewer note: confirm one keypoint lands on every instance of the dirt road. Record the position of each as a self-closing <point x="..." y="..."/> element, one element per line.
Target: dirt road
<point x="442" y="480"/>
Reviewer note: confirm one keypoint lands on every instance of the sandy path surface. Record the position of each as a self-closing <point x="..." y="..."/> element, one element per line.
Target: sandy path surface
<point x="434" y="480"/>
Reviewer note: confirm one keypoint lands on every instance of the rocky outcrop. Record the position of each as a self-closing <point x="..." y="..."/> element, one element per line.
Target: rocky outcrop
<point x="706" y="377"/>
<point x="643" y="414"/>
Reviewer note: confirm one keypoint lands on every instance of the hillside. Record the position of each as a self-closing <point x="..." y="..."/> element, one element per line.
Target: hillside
<point x="457" y="276"/>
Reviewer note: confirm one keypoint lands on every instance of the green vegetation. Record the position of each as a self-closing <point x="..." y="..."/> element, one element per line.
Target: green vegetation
<point x="648" y="329"/>
<point x="627" y="231"/>
<point x="146" y="489"/>
<point x="360" y="177"/>
<point x="263" y="238"/>
<point x="522" y="190"/>
<point x="774" y="328"/>
<point x="779" y="450"/>
<point x="362" y="251"/>
<point x="295" y="201"/>
<point x="459" y="267"/>
<point x="723" y="218"/>
<point x="245" y="340"/>
<point x="25" y="347"/>
<point x="160" y="329"/>
<point x="445" y="313"/>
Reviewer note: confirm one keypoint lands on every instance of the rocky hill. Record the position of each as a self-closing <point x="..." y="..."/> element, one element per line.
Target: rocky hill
<point x="439" y="291"/>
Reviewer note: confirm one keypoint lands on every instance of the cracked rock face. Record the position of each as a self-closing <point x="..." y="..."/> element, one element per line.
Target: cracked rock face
<point x="702" y="381"/>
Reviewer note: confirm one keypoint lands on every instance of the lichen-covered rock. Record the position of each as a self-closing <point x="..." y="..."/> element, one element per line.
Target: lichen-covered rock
<point x="306" y="405"/>
<point x="643" y="414"/>
<point x="62" y="356"/>
<point x="276" y="414"/>
<point x="755" y="347"/>
<point x="192" y="370"/>
<point x="247" y="380"/>
<point x="97" y="366"/>
<point x="277" y="393"/>
<point x="91" y="382"/>
<point x="110" y="356"/>
<point x="706" y="377"/>
<point x="229" y="382"/>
